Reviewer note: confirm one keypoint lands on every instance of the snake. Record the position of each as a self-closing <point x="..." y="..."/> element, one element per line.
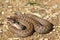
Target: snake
<point x="25" y="24"/>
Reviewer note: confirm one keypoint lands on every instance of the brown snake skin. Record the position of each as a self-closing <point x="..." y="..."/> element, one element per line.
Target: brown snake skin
<point x="45" y="26"/>
<point x="26" y="23"/>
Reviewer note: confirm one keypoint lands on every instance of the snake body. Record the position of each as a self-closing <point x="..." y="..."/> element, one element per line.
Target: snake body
<point x="31" y="22"/>
<point x="45" y="26"/>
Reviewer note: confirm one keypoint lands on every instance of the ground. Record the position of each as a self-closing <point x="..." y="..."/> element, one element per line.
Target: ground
<point x="46" y="9"/>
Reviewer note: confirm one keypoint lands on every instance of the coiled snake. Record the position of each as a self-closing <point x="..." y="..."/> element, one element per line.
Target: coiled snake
<point x="24" y="24"/>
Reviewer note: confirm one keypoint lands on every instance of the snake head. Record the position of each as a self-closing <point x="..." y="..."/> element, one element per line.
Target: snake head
<point x="15" y="23"/>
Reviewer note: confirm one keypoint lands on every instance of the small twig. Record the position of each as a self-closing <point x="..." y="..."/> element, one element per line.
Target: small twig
<point x="32" y="3"/>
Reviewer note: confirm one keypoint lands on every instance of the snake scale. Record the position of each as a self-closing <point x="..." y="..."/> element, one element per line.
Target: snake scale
<point x="25" y="24"/>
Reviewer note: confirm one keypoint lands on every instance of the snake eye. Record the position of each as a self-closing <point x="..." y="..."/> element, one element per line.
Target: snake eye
<point x="14" y="21"/>
<point x="23" y="27"/>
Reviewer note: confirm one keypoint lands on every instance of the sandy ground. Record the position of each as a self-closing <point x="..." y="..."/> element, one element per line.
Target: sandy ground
<point x="46" y="9"/>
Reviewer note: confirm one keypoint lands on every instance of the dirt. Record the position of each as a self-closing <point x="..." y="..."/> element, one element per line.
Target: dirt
<point x="46" y="9"/>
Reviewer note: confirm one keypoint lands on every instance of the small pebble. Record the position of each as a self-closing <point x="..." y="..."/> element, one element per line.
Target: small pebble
<point x="58" y="26"/>
<point x="49" y="18"/>
<point x="45" y="3"/>
<point x="55" y="6"/>
<point x="49" y="0"/>
<point x="59" y="37"/>
<point x="50" y="32"/>
<point x="9" y="6"/>
<point x="7" y="1"/>
<point x="10" y="9"/>
<point x="2" y="12"/>
<point x="41" y="39"/>
<point x="1" y="31"/>
<point x="54" y="30"/>
<point x="46" y="39"/>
